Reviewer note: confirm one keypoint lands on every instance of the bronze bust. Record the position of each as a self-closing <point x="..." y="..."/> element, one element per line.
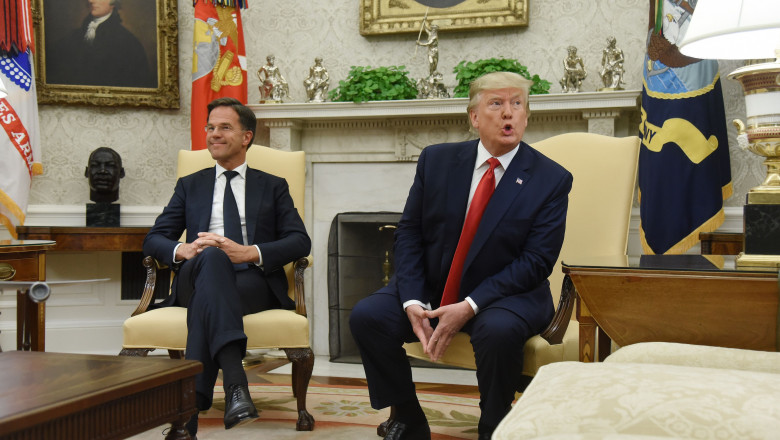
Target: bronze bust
<point x="104" y="170"/>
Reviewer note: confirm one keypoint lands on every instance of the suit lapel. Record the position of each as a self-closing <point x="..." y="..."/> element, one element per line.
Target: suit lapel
<point x="205" y="193"/>
<point x="254" y="191"/>
<point x="511" y="185"/>
<point x="458" y="181"/>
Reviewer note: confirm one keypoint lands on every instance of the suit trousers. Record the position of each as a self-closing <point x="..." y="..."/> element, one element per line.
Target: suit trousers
<point x="217" y="297"/>
<point x="380" y="328"/>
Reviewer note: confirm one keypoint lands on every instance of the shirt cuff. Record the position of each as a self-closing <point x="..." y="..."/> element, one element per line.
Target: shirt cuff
<point x="419" y="303"/>
<point x="473" y="304"/>
<point x="174" y="254"/>
<point x="259" y="262"/>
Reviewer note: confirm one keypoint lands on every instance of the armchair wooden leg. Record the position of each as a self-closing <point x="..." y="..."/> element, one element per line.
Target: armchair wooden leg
<point x="176" y="354"/>
<point x="303" y="364"/>
<point x="136" y="352"/>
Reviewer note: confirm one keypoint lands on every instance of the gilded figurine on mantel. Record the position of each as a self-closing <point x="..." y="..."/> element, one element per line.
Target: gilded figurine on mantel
<point x="573" y="72"/>
<point x="612" y="66"/>
<point x="317" y="83"/>
<point x="432" y="86"/>
<point x="273" y="86"/>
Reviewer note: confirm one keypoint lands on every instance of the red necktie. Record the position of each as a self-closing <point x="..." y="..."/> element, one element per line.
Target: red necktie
<point x="478" y="204"/>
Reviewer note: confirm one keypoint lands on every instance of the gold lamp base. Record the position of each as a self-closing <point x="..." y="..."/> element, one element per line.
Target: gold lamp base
<point x="748" y="260"/>
<point x="761" y="135"/>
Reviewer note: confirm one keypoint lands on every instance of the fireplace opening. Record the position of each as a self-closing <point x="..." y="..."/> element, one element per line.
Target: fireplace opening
<point x="360" y="261"/>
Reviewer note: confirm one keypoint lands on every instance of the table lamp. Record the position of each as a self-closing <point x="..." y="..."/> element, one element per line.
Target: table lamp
<point x="749" y="30"/>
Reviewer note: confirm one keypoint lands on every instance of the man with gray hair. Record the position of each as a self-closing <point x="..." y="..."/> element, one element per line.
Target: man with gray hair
<point x="481" y="230"/>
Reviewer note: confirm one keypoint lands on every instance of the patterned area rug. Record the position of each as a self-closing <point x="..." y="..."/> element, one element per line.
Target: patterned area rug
<point x="340" y="412"/>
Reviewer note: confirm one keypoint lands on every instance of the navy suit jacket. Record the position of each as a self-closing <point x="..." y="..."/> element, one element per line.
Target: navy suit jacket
<point x="272" y="223"/>
<point x="515" y="247"/>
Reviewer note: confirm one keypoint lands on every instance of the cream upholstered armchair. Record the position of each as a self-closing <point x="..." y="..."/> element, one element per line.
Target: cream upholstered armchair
<point x="288" y="330"/>
<point x="604" y="170"/>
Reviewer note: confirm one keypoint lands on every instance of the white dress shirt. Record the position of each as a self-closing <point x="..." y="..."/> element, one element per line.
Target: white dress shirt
<point x="217" y="221"/>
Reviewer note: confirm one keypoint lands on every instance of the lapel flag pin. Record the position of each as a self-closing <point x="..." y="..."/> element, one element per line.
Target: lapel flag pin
<point x="519" y="181"/>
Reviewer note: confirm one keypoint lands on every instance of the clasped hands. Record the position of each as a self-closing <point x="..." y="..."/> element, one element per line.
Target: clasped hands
<point x="238" y="253"/>
<point x="452" y="318"/>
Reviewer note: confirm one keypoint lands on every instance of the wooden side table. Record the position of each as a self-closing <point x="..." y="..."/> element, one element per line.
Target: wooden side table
<point x="79" y="238"/>
<point x="690" y="299"/>
<point x="128" y="240"/>
<point x="721" y="243"/>
<point x="25" y="260"/>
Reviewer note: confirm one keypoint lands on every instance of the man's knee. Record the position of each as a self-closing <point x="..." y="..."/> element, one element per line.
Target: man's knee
<point x="373" y="315"/>
<point x="212" y="259"/>
<point x="361" y="318"/>
<point x="500" y="332"/>
<point x="213" y="255"/>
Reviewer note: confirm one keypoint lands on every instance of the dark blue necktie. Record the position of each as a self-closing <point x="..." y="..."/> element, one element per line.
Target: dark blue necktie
<point x="230" y="211"/>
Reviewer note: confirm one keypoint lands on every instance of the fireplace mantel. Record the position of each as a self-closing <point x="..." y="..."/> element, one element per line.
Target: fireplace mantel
<point x="337" y="131"/>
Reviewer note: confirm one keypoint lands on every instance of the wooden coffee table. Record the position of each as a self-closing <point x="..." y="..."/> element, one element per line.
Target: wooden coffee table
<point x="74" y="396"/>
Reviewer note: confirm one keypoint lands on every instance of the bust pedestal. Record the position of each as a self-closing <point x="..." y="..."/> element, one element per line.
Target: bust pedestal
<point x="103" y="214"/>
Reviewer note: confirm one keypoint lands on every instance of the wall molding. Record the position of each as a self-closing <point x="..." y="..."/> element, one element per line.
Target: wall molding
<point x="75" y="215"/>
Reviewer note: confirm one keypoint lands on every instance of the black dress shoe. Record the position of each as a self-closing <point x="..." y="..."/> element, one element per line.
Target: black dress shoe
<point x="383" y="427"/>
<point x="401" y="431"/>
<point x="239" y="408"/>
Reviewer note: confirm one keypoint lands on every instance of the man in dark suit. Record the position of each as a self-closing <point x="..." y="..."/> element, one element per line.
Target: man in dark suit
<point x="242" y="228"/>
<point x="481" y="230"/>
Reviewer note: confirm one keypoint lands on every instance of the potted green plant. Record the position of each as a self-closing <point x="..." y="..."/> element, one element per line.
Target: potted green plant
<point x="380" y="84"/>
<point x="467" y="71"/>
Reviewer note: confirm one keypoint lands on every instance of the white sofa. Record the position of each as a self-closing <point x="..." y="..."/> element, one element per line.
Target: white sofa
<point x="653" y="391"/>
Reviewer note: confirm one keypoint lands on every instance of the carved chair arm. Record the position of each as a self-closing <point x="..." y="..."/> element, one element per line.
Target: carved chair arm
<point x="147" y="297"/>
<point x="560" y="322"/>
<point x="299" y="266"/>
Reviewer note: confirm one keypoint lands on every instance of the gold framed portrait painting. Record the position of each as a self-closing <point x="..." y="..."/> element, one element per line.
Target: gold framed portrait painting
<point x="379" y="17"/>
<point x="107" y="52"/>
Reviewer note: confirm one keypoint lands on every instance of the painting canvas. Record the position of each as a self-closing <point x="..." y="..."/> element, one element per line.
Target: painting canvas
<point x="107" y="52"/>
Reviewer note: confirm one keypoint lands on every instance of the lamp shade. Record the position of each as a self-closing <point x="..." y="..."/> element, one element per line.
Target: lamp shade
<point x="733" y="29"/>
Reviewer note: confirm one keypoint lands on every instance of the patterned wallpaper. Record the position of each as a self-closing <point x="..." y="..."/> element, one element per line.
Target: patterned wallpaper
<point x="297" y="31"/>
